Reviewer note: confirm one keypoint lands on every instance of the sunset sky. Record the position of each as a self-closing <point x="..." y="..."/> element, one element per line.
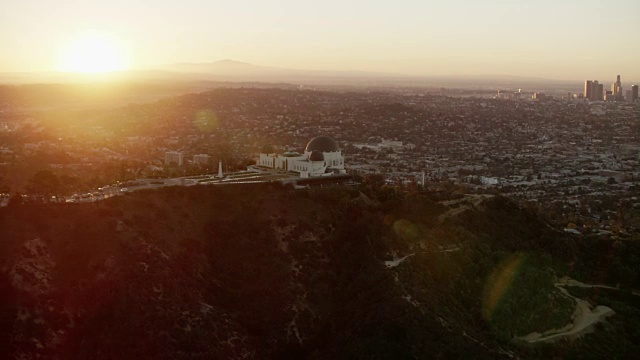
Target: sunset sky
<point x="557" y="39"/>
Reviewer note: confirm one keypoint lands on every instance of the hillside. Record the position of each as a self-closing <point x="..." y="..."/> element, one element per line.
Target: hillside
<point x="269" y="272"/>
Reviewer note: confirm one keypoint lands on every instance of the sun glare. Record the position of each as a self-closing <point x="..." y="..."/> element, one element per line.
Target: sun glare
<point x="94" y="53"/>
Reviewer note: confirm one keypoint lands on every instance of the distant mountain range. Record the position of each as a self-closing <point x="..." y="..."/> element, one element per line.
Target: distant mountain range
<point x="237" y="71"/>
<point x="241" y="71"/>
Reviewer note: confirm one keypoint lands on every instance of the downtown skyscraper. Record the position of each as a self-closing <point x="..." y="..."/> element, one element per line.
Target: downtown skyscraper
<point x="616" y="89"/>
<point x="593" y="90"/>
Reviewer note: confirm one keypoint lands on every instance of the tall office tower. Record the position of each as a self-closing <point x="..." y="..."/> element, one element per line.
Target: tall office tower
<point x="617" y="89"/>
<point x="588" y="84"/>
<point x="600" y="92"/>
<point x="634" y="92"/>
<point x="594" y="90"/>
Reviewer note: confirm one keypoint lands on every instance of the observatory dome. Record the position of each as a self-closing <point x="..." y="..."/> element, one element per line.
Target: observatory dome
<point x="322" y="144"/>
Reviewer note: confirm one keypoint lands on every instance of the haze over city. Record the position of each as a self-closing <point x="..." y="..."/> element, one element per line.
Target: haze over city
<point x="564" y="40"/>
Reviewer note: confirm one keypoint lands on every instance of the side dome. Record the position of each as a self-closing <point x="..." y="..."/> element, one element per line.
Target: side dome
<point x="316" y="156"/>
<point x="322" y="144"/>
<point x="291" y="154"/>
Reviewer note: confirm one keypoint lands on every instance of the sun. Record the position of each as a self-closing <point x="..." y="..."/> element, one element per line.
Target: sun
<point x="93" y="53"/>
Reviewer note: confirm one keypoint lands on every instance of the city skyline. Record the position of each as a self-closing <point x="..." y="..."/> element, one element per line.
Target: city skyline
<point x="543" y="39"/>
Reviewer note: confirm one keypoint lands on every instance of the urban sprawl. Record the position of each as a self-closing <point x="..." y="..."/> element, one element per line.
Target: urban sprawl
<point x="575" y="157"/>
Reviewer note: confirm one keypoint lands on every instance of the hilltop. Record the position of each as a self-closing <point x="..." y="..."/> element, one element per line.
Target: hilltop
<point x="270" y="272"/>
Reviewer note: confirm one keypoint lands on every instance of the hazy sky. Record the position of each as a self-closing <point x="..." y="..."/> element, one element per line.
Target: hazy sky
<point x="544" y="38"/>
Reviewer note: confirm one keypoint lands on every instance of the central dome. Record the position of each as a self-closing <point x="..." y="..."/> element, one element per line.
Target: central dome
<point x="322" y="144"/>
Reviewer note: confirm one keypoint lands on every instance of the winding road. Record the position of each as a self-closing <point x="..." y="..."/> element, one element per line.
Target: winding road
<point x="584" y="317"/>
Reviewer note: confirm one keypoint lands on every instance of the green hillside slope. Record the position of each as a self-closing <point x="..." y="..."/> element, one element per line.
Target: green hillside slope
<point x="269" y="272"/>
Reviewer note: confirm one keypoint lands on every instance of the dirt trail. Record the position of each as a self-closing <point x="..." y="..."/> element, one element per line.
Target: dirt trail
<point x="584" y="318"/>
<point x="397" y="261"/>
<point x="567" y="281"/>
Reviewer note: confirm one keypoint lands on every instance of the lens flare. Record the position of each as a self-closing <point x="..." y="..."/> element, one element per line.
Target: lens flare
<point x="206" y="121"/>
<point x="499" y="283"/>
<point x="408" y="231"/>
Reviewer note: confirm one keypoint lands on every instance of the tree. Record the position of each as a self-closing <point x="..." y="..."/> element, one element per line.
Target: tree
<point x="69" y="184"/>
<point x="4" y="187"/>
<point x="44" y="182"/>
<point x="375" y="181"/>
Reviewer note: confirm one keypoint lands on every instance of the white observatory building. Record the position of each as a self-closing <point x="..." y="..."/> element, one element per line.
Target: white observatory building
<point x="322" y="157"/>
